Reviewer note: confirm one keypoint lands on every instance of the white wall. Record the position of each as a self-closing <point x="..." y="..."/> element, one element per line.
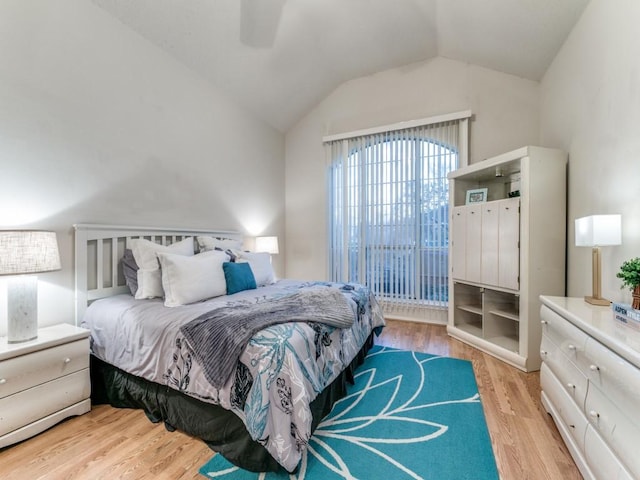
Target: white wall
<point x="590" y="106"/>
<point x="98" y="125"/>
<point x="506" y="117"/>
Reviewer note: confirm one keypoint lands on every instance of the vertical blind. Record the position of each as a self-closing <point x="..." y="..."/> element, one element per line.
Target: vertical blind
<point x="388" y="211"/>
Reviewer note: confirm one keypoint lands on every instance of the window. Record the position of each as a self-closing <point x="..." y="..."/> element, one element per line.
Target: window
<point x="389" y="204"/>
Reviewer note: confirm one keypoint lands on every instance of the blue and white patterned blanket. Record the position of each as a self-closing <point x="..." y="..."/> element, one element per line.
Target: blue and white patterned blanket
<point x="278" y="375"/>
<point x="217" y="338"/>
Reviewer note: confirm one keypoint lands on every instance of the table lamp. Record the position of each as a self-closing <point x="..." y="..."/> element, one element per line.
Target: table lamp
<point x="24" y="253"/>
<point x="267" y="244"/>
<point x="598" y="231"/>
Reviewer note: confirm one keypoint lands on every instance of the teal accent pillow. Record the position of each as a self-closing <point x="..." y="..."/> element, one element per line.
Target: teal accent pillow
<point x="239" y="277"/>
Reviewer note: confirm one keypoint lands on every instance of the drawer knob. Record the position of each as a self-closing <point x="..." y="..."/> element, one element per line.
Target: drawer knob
<point x="594" y="368"/>
<point x="571" y="347"/>
<point x="3" y="381"/>
<point x="570" y="385"/>
<point x="594" y="414"/>
<point x="67" y="360"/>
<point x="544" y="322"/>
<point x="543" y="353"/>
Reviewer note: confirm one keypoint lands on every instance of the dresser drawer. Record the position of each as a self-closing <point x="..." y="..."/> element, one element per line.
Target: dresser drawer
<point x="617" y="429"/>
<point x="602" y="461"/>
<point x="35" y="403"/>
<point x="569" y="338"/>
<point x="568" y="412"/>
<point x="570" y="377"/>
<point x="615" y="376"/>
<point x="25" y="371"/>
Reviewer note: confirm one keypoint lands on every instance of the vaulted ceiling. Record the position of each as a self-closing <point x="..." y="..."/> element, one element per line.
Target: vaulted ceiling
<point x="279" y="58"/>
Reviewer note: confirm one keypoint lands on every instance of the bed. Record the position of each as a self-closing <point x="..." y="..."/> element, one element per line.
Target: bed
<point x="256" y="403"/>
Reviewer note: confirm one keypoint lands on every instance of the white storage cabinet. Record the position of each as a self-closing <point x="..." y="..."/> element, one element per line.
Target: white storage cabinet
<point x="507" y="251"/>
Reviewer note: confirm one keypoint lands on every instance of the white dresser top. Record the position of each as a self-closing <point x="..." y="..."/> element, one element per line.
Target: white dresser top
<point x="598" y="322"/>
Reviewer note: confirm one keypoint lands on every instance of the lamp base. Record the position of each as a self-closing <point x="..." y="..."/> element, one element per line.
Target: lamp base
<point x="597" y="301"/>
<point x="22" y="308"/>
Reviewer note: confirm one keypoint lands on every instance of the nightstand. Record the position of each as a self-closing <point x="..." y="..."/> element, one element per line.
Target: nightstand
<point x="43" y="381"/>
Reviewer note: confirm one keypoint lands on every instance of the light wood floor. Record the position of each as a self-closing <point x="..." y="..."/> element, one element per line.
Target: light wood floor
<point x="109" y="443"/>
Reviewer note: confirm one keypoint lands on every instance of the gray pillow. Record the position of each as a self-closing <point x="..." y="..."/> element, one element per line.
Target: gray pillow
<point x="130" y="271"/>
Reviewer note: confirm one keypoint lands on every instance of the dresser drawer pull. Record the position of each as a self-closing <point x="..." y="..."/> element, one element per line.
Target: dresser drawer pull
<point x="67" y="360"/>
<point x="543" y="353"/>
<point x="594" y="414"/>
<point x="594" y="368"/>
<point x="571" y="385"/>
<point x="544" y="322"/>
<point x="571" y="347"/>
<point x="3" y="381"/>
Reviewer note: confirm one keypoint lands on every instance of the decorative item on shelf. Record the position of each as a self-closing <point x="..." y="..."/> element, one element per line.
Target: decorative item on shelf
<point x="630" y="275"/>
<point x="515" y="193"/>
<point x="598" y="231"/>
<point x="24" y="253"/>
<point x="476" y="195"/>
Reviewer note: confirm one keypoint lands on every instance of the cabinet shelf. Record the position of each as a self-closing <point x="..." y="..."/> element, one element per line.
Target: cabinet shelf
<point x="511" y="315"/>
<point x="471" y="309"/>
<point x="472" y="328"/>
<point x="509" y="342"/>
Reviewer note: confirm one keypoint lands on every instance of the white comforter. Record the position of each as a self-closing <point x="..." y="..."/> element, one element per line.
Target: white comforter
<point x="280" y="373"/>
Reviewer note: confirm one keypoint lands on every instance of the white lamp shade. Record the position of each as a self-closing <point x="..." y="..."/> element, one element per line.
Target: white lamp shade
<point x="598" y="231"/>
<point x="28" y="251"/>
<point x="267" y="244"/>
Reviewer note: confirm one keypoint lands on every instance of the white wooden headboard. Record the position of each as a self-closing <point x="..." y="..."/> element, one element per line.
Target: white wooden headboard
<point x="99" y="248"/>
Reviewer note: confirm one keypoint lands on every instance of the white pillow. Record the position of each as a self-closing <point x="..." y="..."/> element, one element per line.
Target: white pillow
<point x="145" y="253"/>
<point x="261" y="267"/>
<point x="191" y="279"/>
<point x="206" y="244"/>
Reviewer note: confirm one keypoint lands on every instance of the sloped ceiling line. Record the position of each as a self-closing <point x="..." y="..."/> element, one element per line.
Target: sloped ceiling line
<point x="279" y="58"/>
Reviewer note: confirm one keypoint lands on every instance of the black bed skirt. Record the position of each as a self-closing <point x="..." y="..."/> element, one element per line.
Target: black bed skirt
<point x="220" y="429"/>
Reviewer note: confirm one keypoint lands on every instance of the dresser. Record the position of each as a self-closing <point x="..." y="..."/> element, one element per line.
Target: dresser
<point x="590" y="379"/>
<point x="43" y="381"/>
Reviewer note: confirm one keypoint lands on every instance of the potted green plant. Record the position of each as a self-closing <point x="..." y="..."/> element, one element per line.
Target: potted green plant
<point x="630" y="275"/>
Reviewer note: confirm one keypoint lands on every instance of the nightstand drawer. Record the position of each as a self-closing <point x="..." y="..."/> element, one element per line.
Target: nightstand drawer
<point x="25" y="371"/>
<point x="30" y="405"/>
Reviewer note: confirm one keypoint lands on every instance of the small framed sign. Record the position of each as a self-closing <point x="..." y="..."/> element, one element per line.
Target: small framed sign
<point x="476" y="195"/>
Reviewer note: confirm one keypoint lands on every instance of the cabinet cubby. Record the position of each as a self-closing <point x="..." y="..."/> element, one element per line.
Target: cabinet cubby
<point x="468" y="302"/>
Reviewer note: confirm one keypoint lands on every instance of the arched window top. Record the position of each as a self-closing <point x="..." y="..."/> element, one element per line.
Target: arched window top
<point x="389" y="202"/>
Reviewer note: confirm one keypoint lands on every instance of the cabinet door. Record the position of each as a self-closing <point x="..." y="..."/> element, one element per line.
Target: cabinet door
<point x="473" y="243"/>
<point x="509" y="244"/>
<point x="458" y="242"/>
<point x="489" y="243"/>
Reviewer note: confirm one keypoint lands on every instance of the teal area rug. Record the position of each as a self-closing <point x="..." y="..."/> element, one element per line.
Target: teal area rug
<point x="409" y="416"/>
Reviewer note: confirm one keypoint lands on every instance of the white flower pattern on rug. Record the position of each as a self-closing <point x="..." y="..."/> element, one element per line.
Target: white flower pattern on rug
<point x="394" y="411"/>
<point x="350" y="427"/>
